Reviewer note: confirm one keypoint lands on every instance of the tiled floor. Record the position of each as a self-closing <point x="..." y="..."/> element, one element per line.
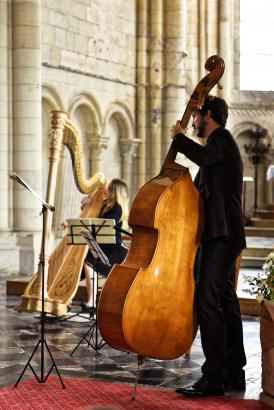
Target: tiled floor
<point x="20" y="333"/>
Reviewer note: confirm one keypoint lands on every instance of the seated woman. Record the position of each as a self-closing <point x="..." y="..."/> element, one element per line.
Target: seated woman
<point x="115" y="206"/>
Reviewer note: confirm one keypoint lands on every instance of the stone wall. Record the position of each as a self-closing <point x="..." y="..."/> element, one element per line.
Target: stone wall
<point x="123" y="70"/>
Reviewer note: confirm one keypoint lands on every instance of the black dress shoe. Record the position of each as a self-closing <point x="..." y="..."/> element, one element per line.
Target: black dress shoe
<point x="235" y="384"/>
<point x="201" y="388"/>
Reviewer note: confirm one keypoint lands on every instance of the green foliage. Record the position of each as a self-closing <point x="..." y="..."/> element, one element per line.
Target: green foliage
<point x="262" y="284"/>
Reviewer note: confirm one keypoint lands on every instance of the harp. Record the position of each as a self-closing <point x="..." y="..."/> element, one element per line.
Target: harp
<point x="63" y="267"/>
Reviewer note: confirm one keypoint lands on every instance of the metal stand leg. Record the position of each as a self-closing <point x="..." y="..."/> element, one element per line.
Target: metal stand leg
<point x="92" y="335"/>
<point x="140" y="361"/>
<point x="42" y="341"/>
<point x="92" y="338"/>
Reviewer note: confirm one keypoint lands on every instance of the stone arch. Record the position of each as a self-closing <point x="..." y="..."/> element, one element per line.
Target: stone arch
<point x="91" y="106"/>
<point x="123" y="117"/>
<point x="121" y="145"/>
<point x="52" y="97"/>
<point x="241" y="136"/>
<point x="85" y="113"/>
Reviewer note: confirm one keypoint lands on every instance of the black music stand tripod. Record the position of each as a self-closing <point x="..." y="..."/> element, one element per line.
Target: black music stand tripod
<point x="42" y="341"/>
<point x="92" y="335"/>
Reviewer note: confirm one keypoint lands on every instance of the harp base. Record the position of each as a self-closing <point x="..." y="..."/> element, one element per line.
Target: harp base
<point x="34" y="304"/>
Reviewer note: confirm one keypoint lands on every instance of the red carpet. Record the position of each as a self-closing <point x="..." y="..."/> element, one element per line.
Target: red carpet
<point x="90" y="394"/>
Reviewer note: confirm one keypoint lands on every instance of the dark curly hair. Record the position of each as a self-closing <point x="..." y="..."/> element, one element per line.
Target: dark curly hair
<point x="218" y="108"/>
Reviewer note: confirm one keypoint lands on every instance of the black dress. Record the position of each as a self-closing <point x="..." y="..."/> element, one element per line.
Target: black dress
<point x="117" y="252"/>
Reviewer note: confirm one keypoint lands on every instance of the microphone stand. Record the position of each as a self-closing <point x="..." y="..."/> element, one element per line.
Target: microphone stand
<point x="42" y="341"/>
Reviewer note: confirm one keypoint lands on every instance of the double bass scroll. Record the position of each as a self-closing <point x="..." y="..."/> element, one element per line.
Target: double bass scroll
<point x="147" y="303"/>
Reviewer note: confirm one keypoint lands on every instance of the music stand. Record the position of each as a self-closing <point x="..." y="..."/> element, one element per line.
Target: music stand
<point x="99" y="230"/>
<point x="42" y="340"/>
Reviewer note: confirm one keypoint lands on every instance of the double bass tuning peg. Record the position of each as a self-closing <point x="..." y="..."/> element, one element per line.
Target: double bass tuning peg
<point x="220" y="86"/>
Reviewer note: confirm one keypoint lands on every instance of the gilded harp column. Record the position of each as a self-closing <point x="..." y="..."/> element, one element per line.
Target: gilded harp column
<point x="31" y="300"/>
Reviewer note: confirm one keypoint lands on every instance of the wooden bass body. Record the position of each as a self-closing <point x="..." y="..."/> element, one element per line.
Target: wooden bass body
<point x="146" y="305"/>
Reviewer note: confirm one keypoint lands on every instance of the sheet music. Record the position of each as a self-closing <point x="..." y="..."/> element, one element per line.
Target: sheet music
<point x="101" y="229"/>
<point x="20" y="181"/>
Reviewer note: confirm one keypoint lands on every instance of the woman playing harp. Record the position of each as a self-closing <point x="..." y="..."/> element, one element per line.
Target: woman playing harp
<point x="115" y="206"/>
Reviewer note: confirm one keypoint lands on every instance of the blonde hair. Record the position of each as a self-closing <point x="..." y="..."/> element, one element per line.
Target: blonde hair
<point x="119" y="193"/>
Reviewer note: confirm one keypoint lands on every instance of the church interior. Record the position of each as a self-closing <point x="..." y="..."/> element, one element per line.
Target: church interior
<point x="89" y="91"/>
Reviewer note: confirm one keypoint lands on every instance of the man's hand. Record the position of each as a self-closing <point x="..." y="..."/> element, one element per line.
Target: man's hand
<point x="177" y="129"/>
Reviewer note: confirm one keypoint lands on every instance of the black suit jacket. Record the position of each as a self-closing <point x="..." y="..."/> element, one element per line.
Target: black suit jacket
<point x="219" y="181"/>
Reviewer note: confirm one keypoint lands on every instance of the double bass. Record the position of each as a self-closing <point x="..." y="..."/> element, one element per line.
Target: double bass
<point x="147" y="303"/>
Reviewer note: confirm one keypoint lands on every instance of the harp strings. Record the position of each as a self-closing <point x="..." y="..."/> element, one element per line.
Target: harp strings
<point x="67" y="196"/>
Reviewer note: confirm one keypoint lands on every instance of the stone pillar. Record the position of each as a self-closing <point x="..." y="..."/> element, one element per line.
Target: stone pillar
<point x="270" y="183"/>
<point x="262" y="186"/>
<point x="202" y="46"/>
<point x="212" y="22"/>
<point x="128" y="150"/>
<point x="5" y="216"/>
<point x="27" y="121"/>
<point x="224" y="47"/>
<point x="141" y="107"/>
<point x="192" y="61"/>
<point x="174" y="100"/>
<point x="97" y="146"/>
<point x="155" y="98"/>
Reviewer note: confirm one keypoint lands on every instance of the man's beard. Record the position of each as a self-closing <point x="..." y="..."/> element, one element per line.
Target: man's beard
<point x="201" y="130"/>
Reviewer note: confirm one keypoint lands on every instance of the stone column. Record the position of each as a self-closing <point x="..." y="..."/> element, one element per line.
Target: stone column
<point x="97" y="145"/>
<point x="270" y="183"/>
<point x="141" y="105"/>
<point x="262" y="184"/>
<point x="174" y="100"/>
<point x="224" y="47"/>
<point x="202" y="46"/>
<point x="155" y="98"/>
<point x="212" y="22"/>
<point x="27" y="121"/>
<point x="5" y="216"/>
<point x="128" y="150"/>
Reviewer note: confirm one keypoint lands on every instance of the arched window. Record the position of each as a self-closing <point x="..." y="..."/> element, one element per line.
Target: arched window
<point x="257" y="45"/>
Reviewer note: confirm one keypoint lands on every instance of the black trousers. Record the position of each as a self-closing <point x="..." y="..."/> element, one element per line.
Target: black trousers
<point x="218" y="310"/>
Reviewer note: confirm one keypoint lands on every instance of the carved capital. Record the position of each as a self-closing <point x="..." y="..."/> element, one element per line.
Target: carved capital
<point x="129" y="148"/>
<point x="97" y="145"/>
